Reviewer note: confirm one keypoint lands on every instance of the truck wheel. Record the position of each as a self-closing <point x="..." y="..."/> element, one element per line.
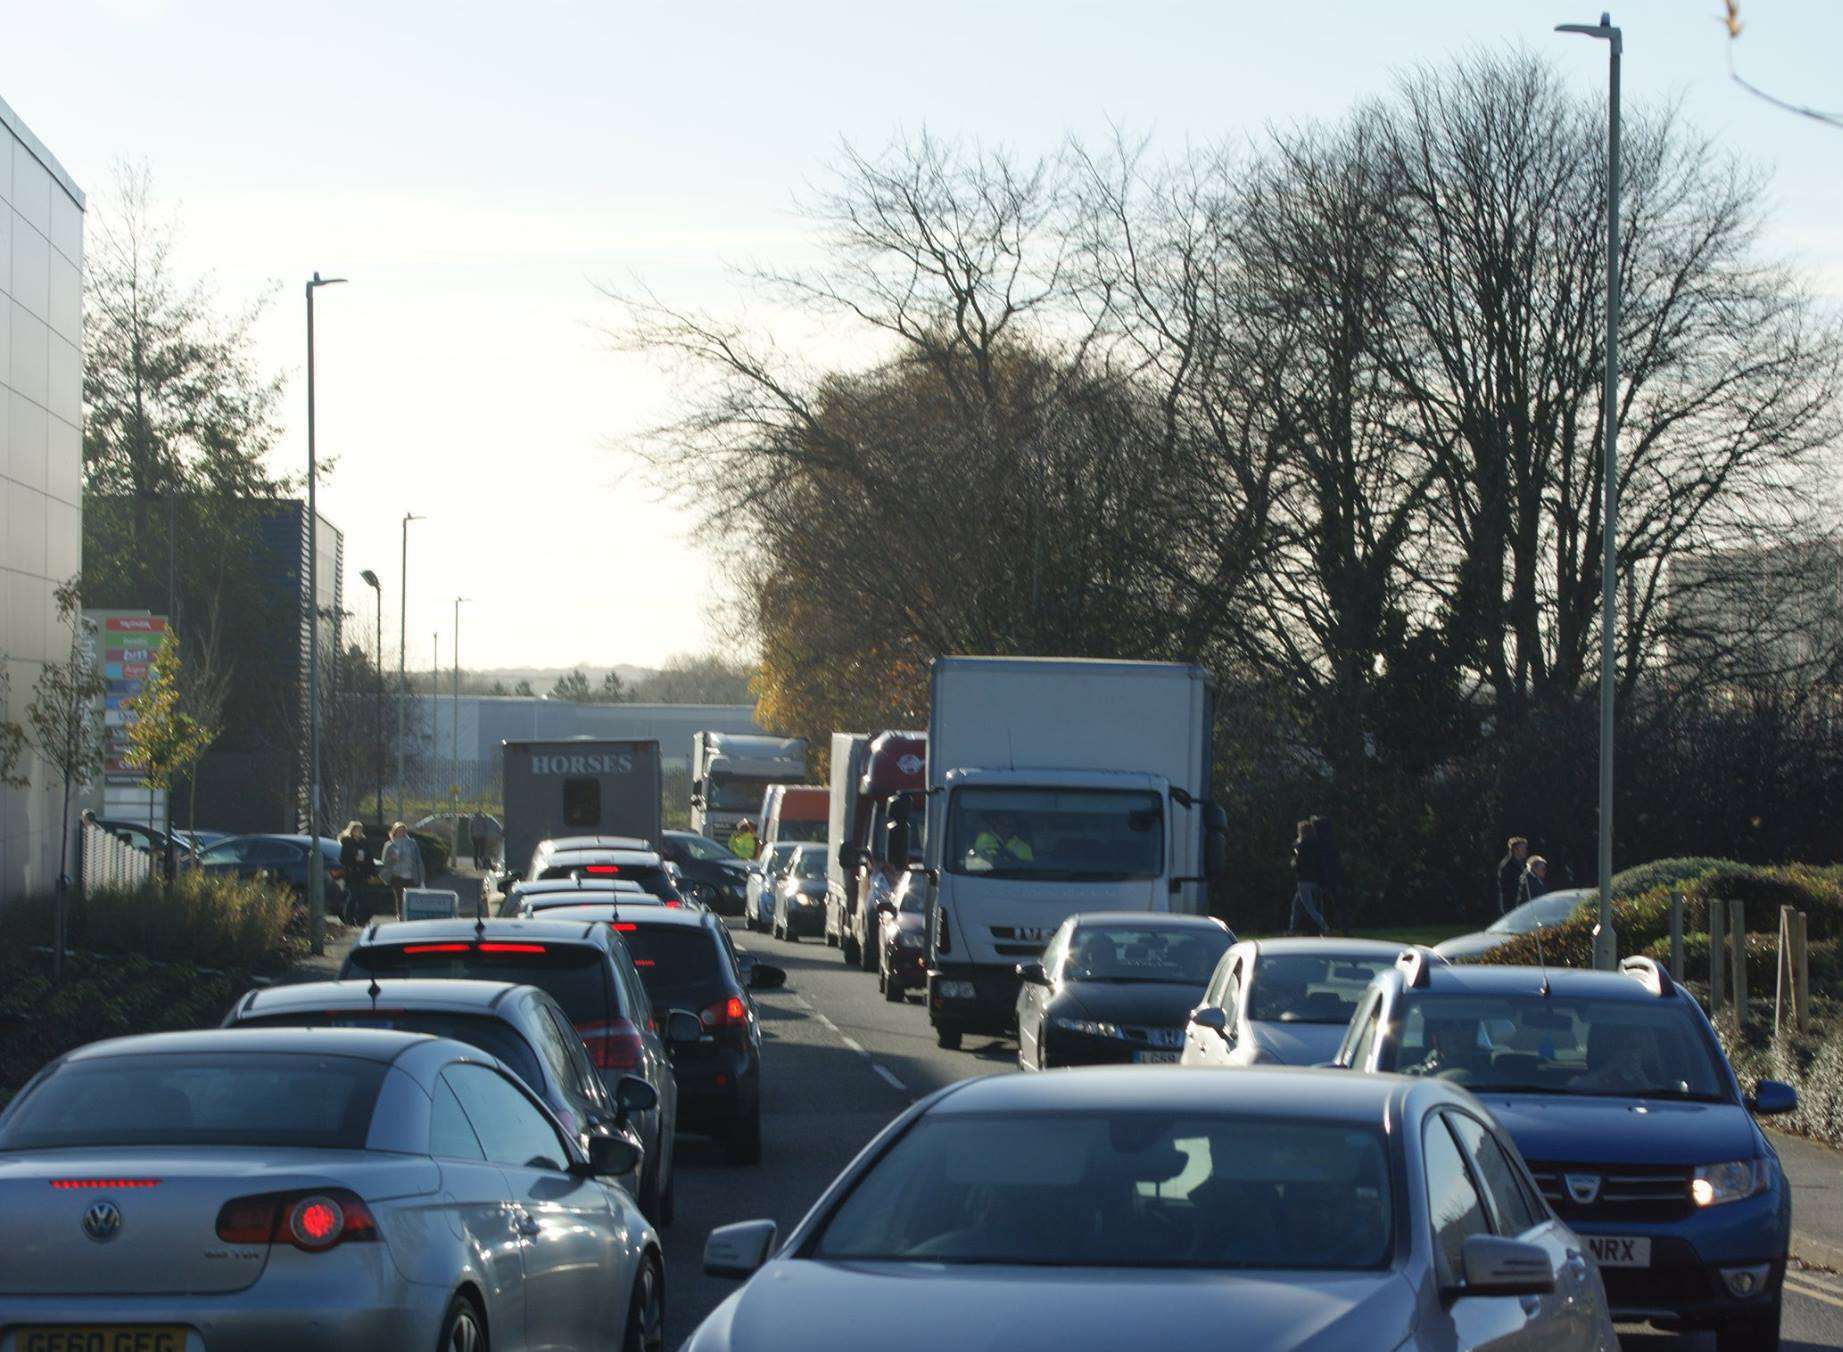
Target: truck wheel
<point x="948" y="1039"/>
<point x="867" y="954"/>
<point x="892" y="990"/>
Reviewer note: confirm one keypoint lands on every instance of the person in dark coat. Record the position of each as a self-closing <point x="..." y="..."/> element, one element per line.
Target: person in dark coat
<point x="356" y="863"/>
<point x="1330" y="865"/>
<point x="1510" y="872"/>
<point x="1308" y="876"/>
<point x="1535" y="879"/>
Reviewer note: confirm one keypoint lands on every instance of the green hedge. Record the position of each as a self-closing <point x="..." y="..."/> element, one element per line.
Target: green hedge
<point x="1811" y="1063"/>
<point x="208" y="919"/>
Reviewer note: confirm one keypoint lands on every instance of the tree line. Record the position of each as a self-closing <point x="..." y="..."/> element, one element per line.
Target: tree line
<point x="1319" y="409"/>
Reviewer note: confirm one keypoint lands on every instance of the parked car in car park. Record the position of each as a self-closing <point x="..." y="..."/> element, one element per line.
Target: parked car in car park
<point x="1282" y="1001"/>
<point x="519" y="1025"/>
<point x="281" y="857"/>
<point x="1143" y="1207"/>
<point x="590" y="973"/>
<point x="799" y="899"/>
<point x="1551" y="908"/>
<point x="291" y="1189"/>
<point x="1615" y="1089"/>
<point x="1115" y="986"/>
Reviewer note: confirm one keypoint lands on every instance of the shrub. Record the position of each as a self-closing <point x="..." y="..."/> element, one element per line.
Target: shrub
<point x="1812" y="1063"/>
<point x="1660" y="873"/>
<point x="210" y="919"/>
<point x="435" y="853"/>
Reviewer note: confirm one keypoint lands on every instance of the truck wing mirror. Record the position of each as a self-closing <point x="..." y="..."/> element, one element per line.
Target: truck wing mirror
<point x="1215" y="841"/>
<point x="850" y="856"/>
<point x="899" y="840"/>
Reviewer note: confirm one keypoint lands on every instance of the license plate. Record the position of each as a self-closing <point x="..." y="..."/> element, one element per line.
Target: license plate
<point x="101" y="1338"/>
<point x="1155" y="1058"/>
<point x="1611" y="1251"/>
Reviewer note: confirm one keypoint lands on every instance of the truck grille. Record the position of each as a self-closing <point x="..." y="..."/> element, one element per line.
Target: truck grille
<point x="1627" y="1192"/>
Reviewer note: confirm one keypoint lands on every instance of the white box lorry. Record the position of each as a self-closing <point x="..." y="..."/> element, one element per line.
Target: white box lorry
<point x="730" y="771"/>
<point x="1055" y="786"/>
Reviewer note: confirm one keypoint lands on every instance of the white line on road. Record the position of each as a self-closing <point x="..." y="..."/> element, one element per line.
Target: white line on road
<point x="854" y="1044"/>
<point x="893" y="1082"/>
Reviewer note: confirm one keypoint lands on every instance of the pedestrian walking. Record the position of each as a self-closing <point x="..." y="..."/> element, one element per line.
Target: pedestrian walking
<point x="1308" y="874"/>
<point x="356" y="863"/>
<point x="402" y="863"/>
<point x="742" y="840"/>
<point x="1330" y="867"/>
<point x="1535" y="879"/>
<point x="477" y="827"/>
<point x="1510" y="872"/>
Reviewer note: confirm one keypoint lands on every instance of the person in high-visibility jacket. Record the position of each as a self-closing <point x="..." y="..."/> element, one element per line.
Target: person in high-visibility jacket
<point x="1000" y="843"/>
<point x="742" y="840"/>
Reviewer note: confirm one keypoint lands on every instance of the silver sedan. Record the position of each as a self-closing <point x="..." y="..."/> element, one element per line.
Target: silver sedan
<point x="1148" y="1207"/>
<point x="294" y="1189"/>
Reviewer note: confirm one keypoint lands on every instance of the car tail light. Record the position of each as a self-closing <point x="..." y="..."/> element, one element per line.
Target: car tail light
<point x="435" y="948"/>
<point x="103" y="1184"/>
<point x="511" y="948"/>
<point x="623" y="926"/>
<point x="672" y="905"/>
<point x="730" y="1013"/>
<point x="310" y="1221"/>
<point x="614" y="1045"/>
<point x="602" y="870"/>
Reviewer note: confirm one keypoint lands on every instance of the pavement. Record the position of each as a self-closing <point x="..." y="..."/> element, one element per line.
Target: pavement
<point x="466" y="882"/>
<point x="1816" y="1173"/>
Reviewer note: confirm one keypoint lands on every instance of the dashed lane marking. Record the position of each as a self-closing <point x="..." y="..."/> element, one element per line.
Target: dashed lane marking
<point x="854" y="1044"/>
<point x="890" y="1078"/>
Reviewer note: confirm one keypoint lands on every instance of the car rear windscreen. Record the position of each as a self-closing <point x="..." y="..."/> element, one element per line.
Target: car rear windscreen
<point x="571" y="974"/>
<point x="490" y="1035"/>
<point x="216" y="1098"/>
<point x="651" y="877"/>
<point x="674" y="956"/>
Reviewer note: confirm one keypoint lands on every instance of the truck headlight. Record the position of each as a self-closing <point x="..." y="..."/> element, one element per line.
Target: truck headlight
<point x="1087" y="1027"/>
<point x="1733" y="1181"/>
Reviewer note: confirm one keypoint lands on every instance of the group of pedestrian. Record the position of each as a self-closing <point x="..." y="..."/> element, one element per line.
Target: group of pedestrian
<point x="400" y="863"/>
<point x="1521" y="876"/>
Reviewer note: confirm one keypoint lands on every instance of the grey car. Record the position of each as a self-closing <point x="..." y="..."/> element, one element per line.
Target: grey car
<point x="1282" y="1001"/>
<point x="292" y="1190"/>
<point x="797" y="904"/>
<point x="1551" y="908"/>
<point x="1146" y="1207"/>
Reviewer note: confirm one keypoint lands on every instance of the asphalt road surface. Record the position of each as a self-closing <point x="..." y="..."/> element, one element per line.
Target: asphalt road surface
<point x="841" y="1062"/>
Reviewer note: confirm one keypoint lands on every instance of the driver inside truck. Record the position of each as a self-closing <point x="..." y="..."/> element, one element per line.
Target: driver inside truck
<point x="1000" y="843"/>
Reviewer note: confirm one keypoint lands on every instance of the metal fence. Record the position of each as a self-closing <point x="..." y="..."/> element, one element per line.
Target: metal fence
<point x="109" y="861"/>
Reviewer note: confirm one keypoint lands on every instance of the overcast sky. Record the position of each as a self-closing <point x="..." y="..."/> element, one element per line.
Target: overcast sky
<point x="476" y="169"/>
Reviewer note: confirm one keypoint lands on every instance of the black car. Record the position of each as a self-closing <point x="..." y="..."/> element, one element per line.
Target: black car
<point x="1114" y="987"/>
<point x="588" y="970"/>
<point x="281" y="857"/>
<point x="712" y="872"/>
<point x="687" y="962"/>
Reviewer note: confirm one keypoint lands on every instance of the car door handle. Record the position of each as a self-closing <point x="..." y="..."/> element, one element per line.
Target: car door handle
<point x="525" y="1223"/>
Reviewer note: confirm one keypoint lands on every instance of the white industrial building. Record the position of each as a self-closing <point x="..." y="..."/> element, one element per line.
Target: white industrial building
<point x="41" y="462"/>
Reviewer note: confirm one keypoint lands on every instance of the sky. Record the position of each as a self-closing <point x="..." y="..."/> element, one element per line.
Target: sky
<point x="480" y="171"/>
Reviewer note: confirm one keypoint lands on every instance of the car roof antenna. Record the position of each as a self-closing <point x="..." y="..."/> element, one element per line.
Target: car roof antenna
<point x="374" y="991"/>
<point x="1541" y="961"/>
<point x="479" y="927"/>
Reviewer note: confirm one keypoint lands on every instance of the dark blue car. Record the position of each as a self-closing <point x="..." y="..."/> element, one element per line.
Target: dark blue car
<point x="281" y="857"/>
<point x="1616" y="1092"/>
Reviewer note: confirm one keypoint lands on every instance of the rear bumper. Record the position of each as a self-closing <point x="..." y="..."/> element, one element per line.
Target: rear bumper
<point x="805" y="920"/>
<point x="907" y="967"/>
<point x="716" y="1090"/>
<point x="964" y="998"/>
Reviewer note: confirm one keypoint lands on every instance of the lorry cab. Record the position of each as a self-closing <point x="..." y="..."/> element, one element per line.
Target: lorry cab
<point x="730" y="773"/>
<point x="886" y="788"/>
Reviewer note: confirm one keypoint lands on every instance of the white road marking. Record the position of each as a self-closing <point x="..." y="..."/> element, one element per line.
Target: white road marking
<point x="854" y="1044"/>
<point x="889" y="1078"/>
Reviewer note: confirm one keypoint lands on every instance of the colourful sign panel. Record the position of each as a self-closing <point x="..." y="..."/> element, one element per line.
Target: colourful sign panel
<point x="125" y="643"/>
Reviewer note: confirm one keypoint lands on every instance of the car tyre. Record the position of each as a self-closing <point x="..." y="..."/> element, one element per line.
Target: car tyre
<point x="646" y="1311"/>
<point x="847" y="948"/>
<point x="1750" y="1333"/>
<point x="464" y="1328"/>
<point x="892" y="988"/>
<point x="744" y="1143"/>
<point x="948" y="1039"/>
<point x="867" y="950"/>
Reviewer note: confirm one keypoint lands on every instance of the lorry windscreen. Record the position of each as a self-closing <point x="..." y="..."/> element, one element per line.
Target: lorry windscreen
<point x="1065" y="835"/>
<point x="737" y="793"/>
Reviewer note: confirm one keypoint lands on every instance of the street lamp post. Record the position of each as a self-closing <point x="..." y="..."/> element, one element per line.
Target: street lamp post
<point x="377" y="592"/>
<point x="454" y="728"/>
<point x="316" y="880"/>
<point x="1605" y="943"/>
<point x="403" y="647"/>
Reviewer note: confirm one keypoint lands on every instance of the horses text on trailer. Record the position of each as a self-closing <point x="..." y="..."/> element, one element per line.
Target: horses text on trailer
<point x="1055" y="786"/>
<point x="730" y="772"/>
<point x="885" y="788"/>
<point x="579" y="786"/>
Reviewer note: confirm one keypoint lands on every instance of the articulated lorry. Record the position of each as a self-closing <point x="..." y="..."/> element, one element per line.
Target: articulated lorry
<point x="579" y="786"/>
<point x="730" y="772"/>
<point x="1055" y="786"/>
<point x="876" y="781"/>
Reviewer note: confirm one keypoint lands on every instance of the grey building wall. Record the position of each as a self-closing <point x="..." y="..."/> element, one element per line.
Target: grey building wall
<point x="41" y="459"/>
<point x="487" y="720"/>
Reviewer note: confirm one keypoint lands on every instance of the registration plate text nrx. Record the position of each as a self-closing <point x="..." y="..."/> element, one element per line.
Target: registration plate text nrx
<point x="1613" y="1251"/>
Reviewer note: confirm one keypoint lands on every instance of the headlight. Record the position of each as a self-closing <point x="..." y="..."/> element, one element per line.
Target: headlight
<point x="1088" y="1027"/>
<point x="1713" y="1184"/>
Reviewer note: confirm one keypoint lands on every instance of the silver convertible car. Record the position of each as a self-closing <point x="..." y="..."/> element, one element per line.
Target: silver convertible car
<point x="1146" y="1207"/>
<point x="294" y="1189"/>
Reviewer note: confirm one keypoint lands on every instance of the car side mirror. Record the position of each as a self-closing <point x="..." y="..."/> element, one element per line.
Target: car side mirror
<point x="1772" y="1097"/>
<point x="1494" y="1266"/>
<point x="1032" y="974"/>
<point x="738" y="1250"/>
<point x="682" y="1028"/>
<point x="765" y="976"/>
<point x="634" y="1095"/>
<point x="614" y="1155"/>
<point x="1213" y="1018"/>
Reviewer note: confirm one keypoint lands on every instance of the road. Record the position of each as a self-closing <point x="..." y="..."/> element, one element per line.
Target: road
<point x="841" y="1062"/>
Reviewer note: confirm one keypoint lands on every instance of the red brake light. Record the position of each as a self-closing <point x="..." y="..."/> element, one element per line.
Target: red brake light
<point x="435" y="948"/>
<point x="310" y="1221"/>
<point x="602" y="870"/>
<point x="512" y="948"/>
<point x="623" y="926"/>
<point x="614" y="1045"/>
<point x="730" y="1013"/>
<point x="673" y="905"/>
<point x="643" y="962"/>
<point x="103" y="1184"/>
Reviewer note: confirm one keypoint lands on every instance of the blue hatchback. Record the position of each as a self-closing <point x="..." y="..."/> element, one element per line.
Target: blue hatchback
<point x="1616" y="1092"/>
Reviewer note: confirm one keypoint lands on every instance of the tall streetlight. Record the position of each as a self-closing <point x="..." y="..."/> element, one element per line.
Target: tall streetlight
<point x="454" y="731"/>
<point x="316" y="881"/>
<point x="1605" y="944"/>
<point x="403" y="647"/>
<point x="377" y="592"/>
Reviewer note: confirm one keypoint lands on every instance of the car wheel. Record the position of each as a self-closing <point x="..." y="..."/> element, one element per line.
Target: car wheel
<point x="646" y="1311"/>
<point x="744" y="1143"/>
<point x="847" y="948"/>
<point x="867" y="953"/>
<point x="464" y="1330"/>
<point x="892" y="988"/>
<point x="1750" y="1333"/>
<point x="948" y="1039"/>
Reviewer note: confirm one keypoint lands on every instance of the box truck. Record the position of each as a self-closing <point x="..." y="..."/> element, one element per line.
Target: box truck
<point x="731" y="771"/>
<point x="882" y="785"/>
<point x="793" y="812"/>
<point x="1055" y="786"/>
<point x="579" y="786"/>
